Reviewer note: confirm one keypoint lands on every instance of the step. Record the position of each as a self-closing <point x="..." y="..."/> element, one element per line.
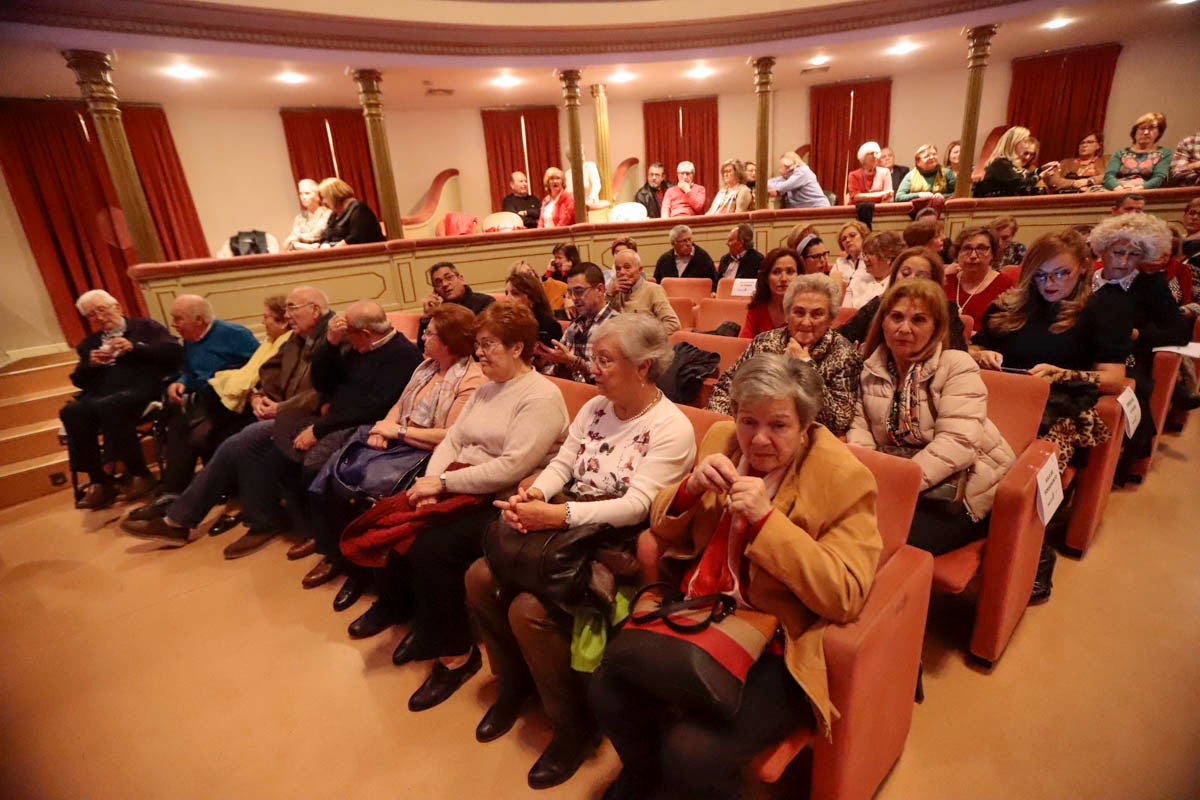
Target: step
<point x="15" y="382"/>
<point x="50" y="359"/>
<point x="33" y="477"/>
<point x="34" y="407"/>
<point x="29" y="441"/>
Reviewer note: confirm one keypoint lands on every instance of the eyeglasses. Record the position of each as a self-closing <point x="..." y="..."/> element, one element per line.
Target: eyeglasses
<point x="975" y="248"/>
<point x="297" y="306"/>
<point x="1192" y="212"/>
<point x="604" y="362"/>
<point x="487" y="345"/>
<point x="815" y="256"/>
<point x="1120" y="252"/>
<point x="579" y="292"/>
<point x="1058" y="276"/>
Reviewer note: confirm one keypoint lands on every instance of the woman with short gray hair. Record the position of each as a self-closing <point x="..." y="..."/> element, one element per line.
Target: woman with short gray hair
<point x="810" y="305"/>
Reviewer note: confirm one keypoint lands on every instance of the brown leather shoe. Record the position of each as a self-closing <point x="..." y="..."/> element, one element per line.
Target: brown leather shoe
<point x="302" y="549"/>
<point x="251" y="542"/>
<point x="139" y="486"/>
<point x="97" y="496"/>
<point x="156" y="530"/>
<point x="322" y="573"/>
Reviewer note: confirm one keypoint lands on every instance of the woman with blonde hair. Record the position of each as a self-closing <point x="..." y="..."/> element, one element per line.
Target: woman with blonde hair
<point x="796" y="185"/>
<point x="1006" y="175"/>
<point x="735" y="196"/>
<point x="351" y="221"/>
<point x="558" y="206"/>
<point x="927" y="180"/>
<point x="850" y="238"/>
<point x="1143" y="165"/>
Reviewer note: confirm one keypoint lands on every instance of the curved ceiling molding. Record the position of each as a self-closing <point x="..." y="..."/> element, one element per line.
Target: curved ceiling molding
<point x="259" y="26"/>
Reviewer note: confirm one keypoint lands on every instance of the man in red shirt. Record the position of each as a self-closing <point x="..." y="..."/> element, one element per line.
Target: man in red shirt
<point x="686" y="198"/>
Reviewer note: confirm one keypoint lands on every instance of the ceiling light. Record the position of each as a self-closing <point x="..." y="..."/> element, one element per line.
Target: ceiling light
<point x="291" y="77"/>
<point x="621" y="76"/>
<point x="1182" y="2"/>
<point x="901" y="49"/>
<point x="184" y="72"/>
<point x="818" y="61"/>
<point x="506" y="81"/>
<point x="700" y="71"/>
<point x="1058" y="22"/>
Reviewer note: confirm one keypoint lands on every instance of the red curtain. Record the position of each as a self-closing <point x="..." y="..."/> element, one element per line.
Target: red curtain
<point x="684" y="130"/>
<point x="1062" y="96"/>
<point x="65" y="199"/>
<point x="163" y="181"/>
<point x="841" y="117"/>
<point x="506" y="150"/>
<point x="308" y="144"/>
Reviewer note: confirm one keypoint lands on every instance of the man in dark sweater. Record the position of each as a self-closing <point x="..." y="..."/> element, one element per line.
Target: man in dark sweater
<point x="685" y="259"/>
<point x="742" y="260"/>
<point x="520" y="201"/>
<point x="652" y="193"/>
<point x="887" y="160"/>
<point x="449" y="286"/>
<point x="123" y="364"/>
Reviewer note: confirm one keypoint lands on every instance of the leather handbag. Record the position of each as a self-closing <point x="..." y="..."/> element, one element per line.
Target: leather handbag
<point x="364" y="474"/>
<point x="693" y="653"/>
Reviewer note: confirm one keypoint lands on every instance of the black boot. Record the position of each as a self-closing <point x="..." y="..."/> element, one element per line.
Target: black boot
<point x="1042" y="582"/>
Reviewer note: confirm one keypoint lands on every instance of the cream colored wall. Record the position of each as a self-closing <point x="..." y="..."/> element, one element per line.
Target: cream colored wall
<point x="926" y="107"/>
<point x="26" y="314"/>
<point x="424" y="143"/>
<point x="1159" y="74"/>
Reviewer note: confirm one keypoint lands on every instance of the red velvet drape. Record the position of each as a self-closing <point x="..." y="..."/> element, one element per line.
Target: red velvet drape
<point x="65" y="199"/>
<point x="163" y="181"/>
<point x="684" y="130"/>
<point x="506" y="153"/>
<point x="841" y="117"/>
<point x="310" y="154"/>
<point x="1062" y="96"/>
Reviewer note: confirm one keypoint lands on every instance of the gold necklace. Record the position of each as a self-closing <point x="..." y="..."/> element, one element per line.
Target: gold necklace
<point x="658" y="396"/>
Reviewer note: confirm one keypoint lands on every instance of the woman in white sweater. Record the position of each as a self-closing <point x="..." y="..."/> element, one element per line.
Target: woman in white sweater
<point x="621" y="448"/>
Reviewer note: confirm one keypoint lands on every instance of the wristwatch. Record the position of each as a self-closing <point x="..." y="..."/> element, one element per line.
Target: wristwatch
<point x="442" y="478"/>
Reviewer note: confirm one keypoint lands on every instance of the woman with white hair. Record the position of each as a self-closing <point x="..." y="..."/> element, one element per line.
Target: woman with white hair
<point x="311" y="221"/>
<point x="796" y="185"/>
<point x="1005" y="175"/>
<point x="621" y="449"/>
<point x="871" y="183"/>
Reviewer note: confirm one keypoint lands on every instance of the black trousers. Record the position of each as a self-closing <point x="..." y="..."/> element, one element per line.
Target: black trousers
<point x="691" y="757"/>
<point x="193" y="433"/>
<point x="113" y="416"/>
<point x="939" y="533"/>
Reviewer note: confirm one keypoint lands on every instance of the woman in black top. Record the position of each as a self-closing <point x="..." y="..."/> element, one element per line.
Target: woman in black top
<point x="353" y="222"/>
<point x="1006" y="174"/>
<point x="528" y="291"/>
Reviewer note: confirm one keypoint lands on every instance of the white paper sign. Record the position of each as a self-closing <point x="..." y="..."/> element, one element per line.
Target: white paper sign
<point x="744" y="287"/>
<point x="1133" y="411"/>
<point x="1050" y="491"/>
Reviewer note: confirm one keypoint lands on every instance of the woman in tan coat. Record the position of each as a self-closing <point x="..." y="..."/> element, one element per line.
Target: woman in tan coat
<point x="779" y="514"/>
<point x="923" y="401"/>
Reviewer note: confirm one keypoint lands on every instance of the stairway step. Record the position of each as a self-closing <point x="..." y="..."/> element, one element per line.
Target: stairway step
<point x="50" y="359"/>
<point x="29" y="441"/>
<point x="16" y="382"/>
<point x="33" y="477"/>
<point x="34" y="407"/>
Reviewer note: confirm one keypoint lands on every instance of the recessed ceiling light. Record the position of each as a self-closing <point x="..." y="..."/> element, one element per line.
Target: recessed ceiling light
<point x="506" y="81"/>
<point x="818" y="61"/>
<point x="291" y="77"/>
<point x="185" y="72"/>
<point x="1058" y="22"/>
<point x="700" y="71"/>
<point x="902" y="49"/>
<point x="1182" y="2"/>
<point x="621" y="76"/>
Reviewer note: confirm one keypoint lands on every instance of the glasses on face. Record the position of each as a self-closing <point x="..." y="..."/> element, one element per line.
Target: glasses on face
<point x="579" y="292"/>
<point x="604" y="363"/>
<point x="99" y="311"/>
<point x="1192" y="212"/>
<point x="1058" y="276"/>
<point x="975" y="248"/>
<point x="1121" y="252"/>
<point x="487" y="345"/>
<point x="1147" y="129"/>
<point x="294" y="307"/>
<point x="818" y="256"/>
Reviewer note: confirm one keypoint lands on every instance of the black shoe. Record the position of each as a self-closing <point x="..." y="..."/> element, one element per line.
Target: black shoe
<point x="352" y="589"/>
<point x="1042" y="583"/>
<point x="561" y="759"/>
<point x="409" y="649"/>
<point x="443" y="682"/>
<point x="224" y="523"/>
<point x="503" y="714"/>
<point x="375" y="620"/>
<point x="97" y="496"/>
<point x="155" y="510"/>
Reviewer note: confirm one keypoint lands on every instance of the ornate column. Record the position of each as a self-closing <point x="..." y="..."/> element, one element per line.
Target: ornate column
<point x="762" y="150"/>
<point x="603" y="160"/>
<point x="370" y="97"/>
<point x="570" y="84"/>
<point x="93" y="73"/>
<point x="979" y="45"/>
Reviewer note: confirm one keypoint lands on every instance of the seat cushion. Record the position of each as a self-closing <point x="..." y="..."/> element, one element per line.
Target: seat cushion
<point x="954" y="570"/>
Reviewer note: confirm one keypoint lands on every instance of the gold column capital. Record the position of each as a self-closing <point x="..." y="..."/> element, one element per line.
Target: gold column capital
<point x="979" y="45"/>
<point x="370" y="97"/>
<point x="93" y="75"/>
<point x="598" y="90"/>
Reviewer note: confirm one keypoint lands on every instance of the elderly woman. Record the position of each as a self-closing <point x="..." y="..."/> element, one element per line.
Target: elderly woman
<point x="1083" y="172"/>
<point x="1006" y="175"/>
<point x="871" y="183"/>
<point x="351" y="221"/>
<point x="779" y="514"/>
<point x="621" y="449"/>
<point x="976" y="284"/>
<point x="1144" y="165"/>
<point x="527" y="290"/>
<point x="735" y="196"/>
<point x="850" y="238"/>
<point x="310" y="223"/>
<point x="387" y="451"/>
<point x="1011" y="252"/>
<point x="927" y="180"/>
<point x="912" y="262"/>
<point x="796" y="185"/>
<point x="558" y="206"/>
<point x="765" y="311"/>
<point x="879" y="251"/>
<point x="812" y="302"/>
<point x="925" y="402"/>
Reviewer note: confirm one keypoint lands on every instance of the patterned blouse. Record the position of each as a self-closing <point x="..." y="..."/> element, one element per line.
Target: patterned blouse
<point x="1126" y="163"/>
<point x="834" y="358"/>
<point x="308" y="227"/>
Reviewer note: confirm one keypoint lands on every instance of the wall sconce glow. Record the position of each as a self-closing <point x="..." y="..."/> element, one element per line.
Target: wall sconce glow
<point x="699" y="72"/>
<point x="184" y="72"/>
<point x="1058" y="22"/>
<point x="621" y="76"/>
<point x="506" y="81"/>
<point x="902" y="49"/>
<point x="819" y="61"/>
<point x="291" y="77"/>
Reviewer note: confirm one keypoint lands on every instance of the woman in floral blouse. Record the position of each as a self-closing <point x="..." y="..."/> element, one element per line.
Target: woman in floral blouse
<point x="1144" y="165"/>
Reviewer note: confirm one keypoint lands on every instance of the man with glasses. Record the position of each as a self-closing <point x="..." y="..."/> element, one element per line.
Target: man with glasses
<point x="572" y="357"/>
<point x="686" y="198"/>
<point x="122" y="366"/>
<point x="685" y="259"/>
<point x="652" y="193"/>
<point x="449" y="286"/>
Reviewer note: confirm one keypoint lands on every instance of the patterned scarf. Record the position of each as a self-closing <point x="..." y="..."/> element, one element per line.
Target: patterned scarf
<point x="432" y="410"/>
<point x="904" y="416"/>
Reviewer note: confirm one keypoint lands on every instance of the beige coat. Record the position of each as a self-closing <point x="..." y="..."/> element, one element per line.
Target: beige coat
<point x="813" y="561"/>
<point x="647" y="298"/>
<point x="953" y="419"/>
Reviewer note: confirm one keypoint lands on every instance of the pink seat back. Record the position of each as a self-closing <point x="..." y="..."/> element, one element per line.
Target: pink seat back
<point x="1015" y="405"/>
<point x="685" y="309"/>
<point x="575" y="394"/>
<point x="702" y="420"/>
<point x="899" y="481"/>
<point x="692" y="288"/>
<point x="711" y="313"/>
<point x="729" y="348"/>
<point x="407" y="322"/>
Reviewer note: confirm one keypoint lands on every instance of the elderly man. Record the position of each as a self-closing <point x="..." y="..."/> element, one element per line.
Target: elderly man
<point x="122" y="366"/>
<point x="359" y="368"/>
<point x="630" y="293"/>
<point x="310" y="223"/>
<point x="686" y="198"/>
<point x="742" y="260"/>
<point x="685" y="259"/>
<point x="520" y="202"/>
<point x="449" y="286"/>
<point x="572" y="357"/>
<point x="652" y="193"/>
<point x="887" y="160"/>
